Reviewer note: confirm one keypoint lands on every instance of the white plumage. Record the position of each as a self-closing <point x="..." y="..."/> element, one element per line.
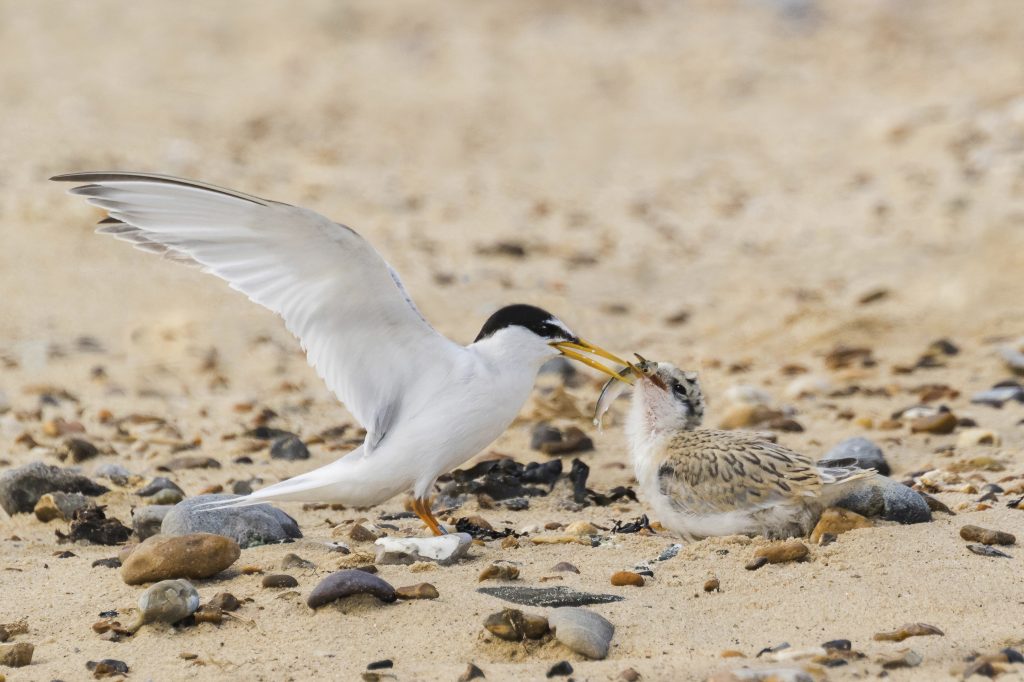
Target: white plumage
<point x="427" y="403"/>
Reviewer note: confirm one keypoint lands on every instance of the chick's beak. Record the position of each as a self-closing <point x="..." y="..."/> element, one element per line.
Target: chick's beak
<point x="576" y="349"/>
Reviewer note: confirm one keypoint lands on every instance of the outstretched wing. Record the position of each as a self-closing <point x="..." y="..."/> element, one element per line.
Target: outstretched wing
<point x="358" y="326"/>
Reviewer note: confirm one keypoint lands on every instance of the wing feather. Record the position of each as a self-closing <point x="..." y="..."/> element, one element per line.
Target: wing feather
<point x="358" y="325"/>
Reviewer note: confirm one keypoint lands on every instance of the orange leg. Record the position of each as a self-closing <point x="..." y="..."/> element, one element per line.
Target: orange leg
<point x="422" y="509"/>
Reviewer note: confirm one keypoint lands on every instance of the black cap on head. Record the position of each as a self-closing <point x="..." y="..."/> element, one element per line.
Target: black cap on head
<point x="539" y="321"/>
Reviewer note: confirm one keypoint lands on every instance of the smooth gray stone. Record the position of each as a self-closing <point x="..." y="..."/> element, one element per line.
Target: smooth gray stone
<point x="114" y="472"/>
<point x="547" y="596"/>
<point x="259" y="524"/>
<point x="583" y="631"/>
<point x="865" y="454"/>
<point x="882" y="497"/>
<point x="147" y="521"/>
<point x="289" y="447"/>
<point x="21" y="488"/>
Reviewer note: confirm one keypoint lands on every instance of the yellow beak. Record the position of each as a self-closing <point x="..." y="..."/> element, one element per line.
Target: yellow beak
<point x="576" y="350"/>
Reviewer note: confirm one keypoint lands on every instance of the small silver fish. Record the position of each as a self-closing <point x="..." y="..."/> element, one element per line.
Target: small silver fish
<point x="613" y="388"/>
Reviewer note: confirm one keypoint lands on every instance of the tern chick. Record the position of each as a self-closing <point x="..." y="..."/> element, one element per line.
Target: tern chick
<point x="706" y="482"/>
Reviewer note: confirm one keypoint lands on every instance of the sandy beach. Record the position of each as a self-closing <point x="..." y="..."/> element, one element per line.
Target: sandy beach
<point x="748" y="189"/>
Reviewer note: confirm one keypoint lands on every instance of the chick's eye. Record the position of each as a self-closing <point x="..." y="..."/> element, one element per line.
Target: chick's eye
<point x="678" y="388"/>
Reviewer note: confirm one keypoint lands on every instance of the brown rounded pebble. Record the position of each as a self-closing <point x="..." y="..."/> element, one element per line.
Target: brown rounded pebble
<point x="756" y="563"/>
<point x="16" y="655"/>
<point x="986" y="536"/>
<point x="360" y="533"/>
<point x="629" y="675"/>
<point x="163" y="557"/>
<point x="514" y="626"/>
<point x="908" y="630"/>
<point x="510" y="542"/>
<point x="498" y="572"/>
<point x="837" y="521"/>
<point x="941" y="424"/>
<point x="350" y="582"/>
<point x="225" y="601"/>
<point x="418" y="591"/>
<point x="279" y="580"/>
<point x="623" y="578"/>
<point x="712" y="585"/>
<point x="782" y="552"/>
<point x="479" y="522"/>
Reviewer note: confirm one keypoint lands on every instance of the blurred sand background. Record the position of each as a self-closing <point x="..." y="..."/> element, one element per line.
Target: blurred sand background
<point x="757" y="167"/>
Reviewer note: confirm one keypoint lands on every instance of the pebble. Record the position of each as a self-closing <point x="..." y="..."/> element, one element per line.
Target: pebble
<point x="864" y="453"/>
<point x="108" y="667"/>
<point x="168" y="601"/>
<point x="444" y="549"/>
<point x="998" y="395"/>
<point x="906" y="658"/>
<point x="259" y="524"/>
<point x="712" y="585"/>
<point x="837" y="521"/>
<point x="908" y="630"/>
<point x="278" y="580"/>
<point x="115" y="473"/>
<point x="362" y="533"/>
<point x="986" y="536"/>
<point x="581" y="528"/>
<point x="756" y="563"/>
<point x="167" y="498"/>
<point x="92" y="525"/>
<point x="190" y="462"/>
<point x="782" y="552"/>
<point x="498" y="572"/>
<point x="583" y="631"/>
<point x="16" y="655"/>
<point x="624" y="578"/>
<point x="195" y="556"/>
<point x="565" y="566"/>
<point x="1013" y="356"/>
<point x="112" y="562"/>
<point x="21" y="488"/>
<point x="292" y="560"/>
<point x="60" y="506"/>
<point x="544" y="433"/>
<point x="417" y="591"/>
<point x="985" y="550"/>
<point x="157" y="484"/>
<point x="512" y="625"/>
<point x="670" y="552"/>
<point x="472" y="672"/>
<point x="887" y="499"/>
<point x="972" y="437"/>
<point x="941" y="423"/>
<point x="570" y="441"/>
<point x="560" y="669"/>
<point x="225" y="601"/>
<point x="147" y="521"/>
<point x="347" y="583"/>
<point x="629" y="675"/>
<point x="77" y="450"/>
<point x="547" y="596"/>
<point x="288" y="447"/>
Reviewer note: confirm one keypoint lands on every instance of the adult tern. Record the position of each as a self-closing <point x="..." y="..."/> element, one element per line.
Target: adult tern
<point x="427" y="403"/>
